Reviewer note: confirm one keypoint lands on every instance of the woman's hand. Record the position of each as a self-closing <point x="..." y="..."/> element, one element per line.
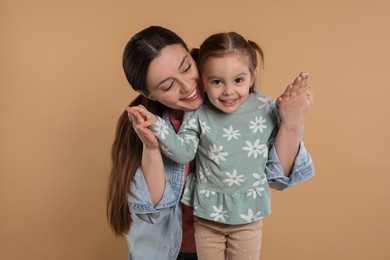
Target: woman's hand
<point x="152" y="163"/>
<point x="295" y="102"/>
<point x="141" y="118"/>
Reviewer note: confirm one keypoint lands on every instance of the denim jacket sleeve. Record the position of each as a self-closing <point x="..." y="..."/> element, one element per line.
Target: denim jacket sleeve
<point x="303" y="169"/>
<point x="140" y="202"/>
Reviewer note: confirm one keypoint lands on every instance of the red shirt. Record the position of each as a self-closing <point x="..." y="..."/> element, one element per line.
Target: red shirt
<point x="188" y="241"/>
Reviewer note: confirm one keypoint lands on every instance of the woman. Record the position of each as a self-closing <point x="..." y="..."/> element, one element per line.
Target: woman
<point x="158" y="65"/>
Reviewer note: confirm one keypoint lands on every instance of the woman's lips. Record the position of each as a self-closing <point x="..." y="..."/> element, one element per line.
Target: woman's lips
<point x="192" y="96"/>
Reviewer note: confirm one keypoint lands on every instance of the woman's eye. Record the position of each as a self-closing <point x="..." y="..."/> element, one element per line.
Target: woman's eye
<point x="165" y="89"/>
<point x="187" y="68"/>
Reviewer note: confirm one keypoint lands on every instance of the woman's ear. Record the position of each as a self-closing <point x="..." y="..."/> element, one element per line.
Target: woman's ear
<point x="145" y="94"/>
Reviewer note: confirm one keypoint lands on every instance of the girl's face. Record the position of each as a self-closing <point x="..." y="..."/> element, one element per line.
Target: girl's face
<point x="173" y="80"/>
<point x="227" y="80"/>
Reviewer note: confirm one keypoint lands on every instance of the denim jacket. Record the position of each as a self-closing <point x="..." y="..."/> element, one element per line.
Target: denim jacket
<point x="156" y="231"/>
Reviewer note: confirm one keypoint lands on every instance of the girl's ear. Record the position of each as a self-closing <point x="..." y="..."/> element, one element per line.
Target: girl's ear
<point x="254" y="76"/>
<point x="145" y="94"/>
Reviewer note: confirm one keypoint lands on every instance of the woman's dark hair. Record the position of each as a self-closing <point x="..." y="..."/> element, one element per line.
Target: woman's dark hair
<point x="126" y="153"/>
<point x="141" y="49"/>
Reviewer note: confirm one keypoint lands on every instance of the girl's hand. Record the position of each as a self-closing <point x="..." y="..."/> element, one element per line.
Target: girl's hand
<point x="295" y="102"/>
<point x="141" y="118"/>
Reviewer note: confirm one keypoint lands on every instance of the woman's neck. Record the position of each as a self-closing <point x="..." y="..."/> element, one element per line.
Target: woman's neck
<point x="176" y="114"/>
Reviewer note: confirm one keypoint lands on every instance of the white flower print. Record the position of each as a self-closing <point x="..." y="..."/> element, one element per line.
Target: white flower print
<point x="258" y="124"/>
<point x="231" y="133"/>
<point x="166" y="150"/>
<point x="233" y="178"/>
<point x="256" y="149"/>
<point x="260" y="181"/>
<point x="205" y="128"/>
<point x="160" y="128"/>
<point x="250" y="217"/>
<point x="254" y="192"/>
<point x="189" y="138"/>
<point x="266" y="103"/>
<point x="203" y="173"/>
<point x="220" y="213"/>
<point x="190" y="124"/>
<point x="181" y="139"/>
<point x="215" y="153"/>
<point x="186" y="196"/>
<point x="192" y="138"/>
<point x="206" y="192"/>
<point x="195" y="207"/>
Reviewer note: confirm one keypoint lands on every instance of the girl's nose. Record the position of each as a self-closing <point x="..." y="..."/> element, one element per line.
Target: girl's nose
<point x="228" y="90"/>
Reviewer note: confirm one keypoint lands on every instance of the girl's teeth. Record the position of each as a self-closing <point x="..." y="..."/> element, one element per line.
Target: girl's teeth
<point x="229" y="100"/>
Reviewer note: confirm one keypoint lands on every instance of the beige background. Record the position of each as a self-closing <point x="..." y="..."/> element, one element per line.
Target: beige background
<point x="62" y="90"/>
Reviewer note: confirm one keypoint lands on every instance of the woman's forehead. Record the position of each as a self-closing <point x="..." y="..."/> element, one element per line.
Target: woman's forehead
<point x="172" y="54"/>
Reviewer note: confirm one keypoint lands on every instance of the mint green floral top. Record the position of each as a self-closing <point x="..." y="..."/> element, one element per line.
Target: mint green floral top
<point x="230" y="185"/>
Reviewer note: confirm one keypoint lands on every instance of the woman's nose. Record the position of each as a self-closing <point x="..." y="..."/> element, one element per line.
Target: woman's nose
<point x="186" y="85"/>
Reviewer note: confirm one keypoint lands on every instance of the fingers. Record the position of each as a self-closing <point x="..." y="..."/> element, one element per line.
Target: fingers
<point x="138" y="117"/>
<point x="134" y="117"/>
<point x="310" y="95"/>
<point x="306" y="88"/>
<point x="141" y="116"/>
<point x="305" y="82"/>
<point x="297" y="91"/>
<point x="146" y="136"/>
<point x="300" y="84"/>
<point x="287" y="93"/>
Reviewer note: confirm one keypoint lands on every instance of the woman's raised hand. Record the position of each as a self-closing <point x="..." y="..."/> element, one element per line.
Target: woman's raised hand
<point x="295" y="102"/>
<point x="141" y="118"/>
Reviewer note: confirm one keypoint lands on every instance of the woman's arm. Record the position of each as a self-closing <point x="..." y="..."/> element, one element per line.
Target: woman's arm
<point x="293" y="105"/>
<point x="152" y="163"/>
<point x="303" y="168"/>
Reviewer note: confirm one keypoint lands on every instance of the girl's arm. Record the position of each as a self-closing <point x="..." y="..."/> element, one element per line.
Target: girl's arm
<point x="152" y="163"/>
<point x="293" y="105"/>
<point x="180" y="147"/>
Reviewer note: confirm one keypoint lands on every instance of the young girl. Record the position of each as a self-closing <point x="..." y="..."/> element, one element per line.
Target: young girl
<point x="229" y="135"/>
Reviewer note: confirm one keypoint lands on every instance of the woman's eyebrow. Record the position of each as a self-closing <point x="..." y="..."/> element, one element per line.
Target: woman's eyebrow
<point x="183" y="60"/>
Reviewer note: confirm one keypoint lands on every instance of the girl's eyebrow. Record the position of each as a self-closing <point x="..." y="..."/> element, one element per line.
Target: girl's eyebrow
<point x="235" y="76"/>
<point x="180" y="65"/>
<point x="241" y="74"/>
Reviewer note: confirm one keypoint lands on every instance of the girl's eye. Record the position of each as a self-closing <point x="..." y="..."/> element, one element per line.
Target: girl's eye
<point x="216" y="82"/>
<point x="239" y="80"/>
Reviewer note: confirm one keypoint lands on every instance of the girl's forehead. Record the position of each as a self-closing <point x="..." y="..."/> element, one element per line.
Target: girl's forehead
<point x="224" y="59"/>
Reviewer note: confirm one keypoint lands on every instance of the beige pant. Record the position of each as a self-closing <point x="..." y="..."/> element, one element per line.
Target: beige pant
<point x="216" y="241"/>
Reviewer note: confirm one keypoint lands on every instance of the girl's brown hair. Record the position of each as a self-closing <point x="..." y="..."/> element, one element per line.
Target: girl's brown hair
<point x="225" y="43"/>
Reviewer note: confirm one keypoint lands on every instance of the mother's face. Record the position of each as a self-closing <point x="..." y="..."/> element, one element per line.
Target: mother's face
<point x="173" y="79"/>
